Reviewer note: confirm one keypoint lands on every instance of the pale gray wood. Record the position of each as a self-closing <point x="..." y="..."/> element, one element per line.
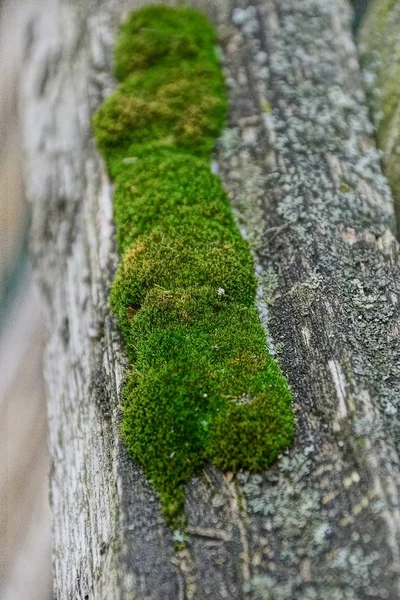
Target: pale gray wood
<point x="298" y="159"/>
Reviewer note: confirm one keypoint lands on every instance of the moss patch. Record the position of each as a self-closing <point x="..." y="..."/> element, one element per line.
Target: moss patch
<point x="160" y="35"/>
<point x="202" y="385"/>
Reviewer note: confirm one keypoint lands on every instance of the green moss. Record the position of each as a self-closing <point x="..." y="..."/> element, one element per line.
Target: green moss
<point x="202" y="385"/>
<point x="162" y="35"/>
<point x="202" y="389"/>
<point x="179" y="108"/>
<point x="166" y="188"/>
<point x="183" y="259"/>
<point x="345" y="188"/>
<point x="266" y="106"/>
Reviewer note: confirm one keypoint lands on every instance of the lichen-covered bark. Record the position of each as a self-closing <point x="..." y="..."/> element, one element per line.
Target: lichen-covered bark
<point x="380" y="56"/>
<point x="298" y="160"/>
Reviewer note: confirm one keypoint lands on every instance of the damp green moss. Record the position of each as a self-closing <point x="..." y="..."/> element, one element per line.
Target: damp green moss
<point x="181" y="109"/>
<point x="158" y="35"/>
<point x="166" y="189"/>
<point x="344" y="187"/>
<point x="201" y="386"/>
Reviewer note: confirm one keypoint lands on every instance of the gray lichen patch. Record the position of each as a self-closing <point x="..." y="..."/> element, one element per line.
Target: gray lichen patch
<point x="326" y="233"/>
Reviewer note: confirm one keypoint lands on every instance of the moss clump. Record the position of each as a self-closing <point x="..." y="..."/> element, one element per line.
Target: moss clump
<point x="183" y="257"/>
<point x="175" y="107"/>
<point x="344" y="187"/>
<point x="165" y="189"/>
<point x="202" y="386"/>
<point x="161" y="35"/>
<point x="202" y="389"/>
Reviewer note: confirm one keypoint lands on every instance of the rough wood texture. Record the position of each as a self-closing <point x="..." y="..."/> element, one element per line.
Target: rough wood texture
<point x="304" y="177"/>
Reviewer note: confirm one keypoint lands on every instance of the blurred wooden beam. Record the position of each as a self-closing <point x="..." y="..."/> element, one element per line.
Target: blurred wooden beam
<point x="25" y="559"/>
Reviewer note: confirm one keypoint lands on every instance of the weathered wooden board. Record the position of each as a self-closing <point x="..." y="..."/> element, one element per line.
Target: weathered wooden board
<point x="299" y="162"/>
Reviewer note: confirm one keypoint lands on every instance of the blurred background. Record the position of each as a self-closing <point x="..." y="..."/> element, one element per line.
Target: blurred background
<point x="25" y="546"/>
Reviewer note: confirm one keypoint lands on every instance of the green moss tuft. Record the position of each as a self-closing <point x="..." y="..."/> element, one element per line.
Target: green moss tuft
<point x="202" y="385"/>
<point x="167" y="189"/>
<point x="203" y="388"/>
<point x="162" y="35"/>
<point x="344" y="187"/>
<point x="181" y="108"/>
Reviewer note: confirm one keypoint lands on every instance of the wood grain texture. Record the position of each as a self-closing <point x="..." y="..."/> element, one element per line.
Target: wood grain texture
<point x="298" y="160"/>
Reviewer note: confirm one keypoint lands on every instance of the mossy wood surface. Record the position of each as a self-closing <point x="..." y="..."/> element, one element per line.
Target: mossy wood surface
<point x="298" y="160"/>
<point x="202" y="386"/>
